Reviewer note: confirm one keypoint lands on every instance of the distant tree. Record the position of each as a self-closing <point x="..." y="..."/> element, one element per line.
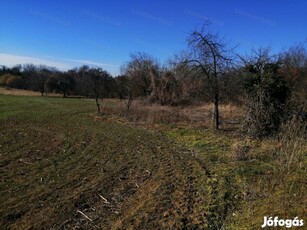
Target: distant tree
<point x="125" y="88"/>
<point x="41" y="77"/>
<point x="61" y="82"/>
<point x="165" y="88"/>
<point x="16" y="70"/>
<point x="29" y="73"/>
<point x="12" y="81"/>
<point x="83" y="82"/>
<point x="138" y="71"/>
<point x="36" y="76"/>
<point x="294" y="68"/>
<point x="99" y="80"/>
<point x="4" y="70"/>
<point x="209" y="55"/>
<point x="190" y="81"/>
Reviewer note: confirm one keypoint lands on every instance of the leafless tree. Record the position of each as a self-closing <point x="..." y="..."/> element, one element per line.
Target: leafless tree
<point x="99" y="79"/>
<point x="125" y="88"/>
<point x="37" y="76"/>
<point x="61" y="82"/>
<point x="294" y="67"/>
<point x="42" y="75"/>
<point x="138" y="71"/>
<point x="165" y="88"/>
<point x="209" y="55"/>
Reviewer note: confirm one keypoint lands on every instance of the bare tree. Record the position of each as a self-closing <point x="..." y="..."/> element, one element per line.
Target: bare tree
<point x="209" y="55"/>
<point x="138" y="71"/>
<point x="37" y="76"/>
<point x="29" y="73"/>
<point x="41" y="76"/>
<point x="83" y="83"/>
<point x="191" y="83"/>
<point x="294" y="67"/>
<point x="61" y="82"/>
<point x="165" y="88"/>
<point x="125" y="88"/>
<point x="99" y="79"/>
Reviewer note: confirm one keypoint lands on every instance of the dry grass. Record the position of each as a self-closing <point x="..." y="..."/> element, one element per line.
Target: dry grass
<point x="21" y="92"/>
<point x="140" y="113"/>
<point x="195" y="115"/>
<point x="293" y="147"/>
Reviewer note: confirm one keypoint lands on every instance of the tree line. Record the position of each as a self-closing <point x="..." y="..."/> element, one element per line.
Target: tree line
<point x="207" y="71"/>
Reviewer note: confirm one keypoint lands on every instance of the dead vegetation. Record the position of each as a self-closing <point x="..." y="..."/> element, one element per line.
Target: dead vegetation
<point x="20" y="92"/>
<point x="144" y="113"/>
<point x="292" y="146"/>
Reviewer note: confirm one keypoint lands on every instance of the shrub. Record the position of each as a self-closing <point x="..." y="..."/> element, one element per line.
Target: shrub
<point x="3" y="79"/>
<point x="12" y="81"/>
<point x="15" y="82"/>
<point x="268" y="94"/>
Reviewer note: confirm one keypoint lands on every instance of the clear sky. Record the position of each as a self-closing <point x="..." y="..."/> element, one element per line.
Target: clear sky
<point x="67" y="34"/>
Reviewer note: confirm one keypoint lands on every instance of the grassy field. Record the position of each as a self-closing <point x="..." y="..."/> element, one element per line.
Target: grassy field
<point x="62" y="166"/>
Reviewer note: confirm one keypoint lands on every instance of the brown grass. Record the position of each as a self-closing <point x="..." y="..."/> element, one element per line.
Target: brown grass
<point x="293" y="147"/>
<point x="196" y="115"/>
<point x="142" y="114"/>
<point x="21" y="92"/>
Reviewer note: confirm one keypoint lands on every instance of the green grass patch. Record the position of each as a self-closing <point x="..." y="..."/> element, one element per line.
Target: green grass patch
<point x="254" y="183"/>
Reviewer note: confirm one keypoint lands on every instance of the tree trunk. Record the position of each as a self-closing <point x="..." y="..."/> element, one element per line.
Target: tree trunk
<point x="216" y="115"/>
<point x="97" y="104"/>
<point x="42" y="89"/>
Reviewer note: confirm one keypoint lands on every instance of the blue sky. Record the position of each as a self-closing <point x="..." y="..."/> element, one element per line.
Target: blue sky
<point x="66" y="34"/>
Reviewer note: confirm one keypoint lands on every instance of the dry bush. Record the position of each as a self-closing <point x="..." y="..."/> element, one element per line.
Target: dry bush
<point x="11" y="81"/>
<point x="15" y="82"/>
<point x="142" y="112"/>
<point x="4" y="78"/>
<point x="139" y="113"/>
<point x="268" y="94"/>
